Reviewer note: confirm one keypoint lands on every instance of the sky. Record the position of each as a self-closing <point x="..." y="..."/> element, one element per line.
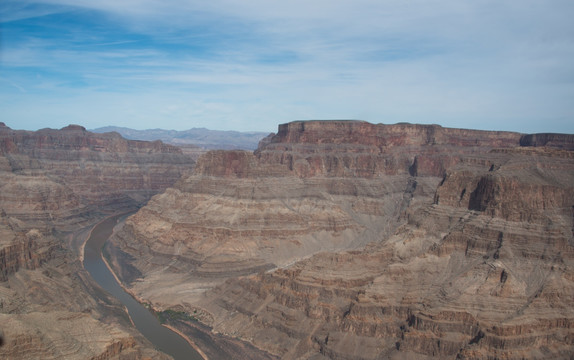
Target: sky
<point x="253" y="64"/>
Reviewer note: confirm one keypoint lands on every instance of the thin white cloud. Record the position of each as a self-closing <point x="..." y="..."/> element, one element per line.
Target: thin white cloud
<point x="12" y="83"/>
<point x="453" y="62"/>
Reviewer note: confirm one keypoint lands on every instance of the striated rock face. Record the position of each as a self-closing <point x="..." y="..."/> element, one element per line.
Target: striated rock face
<point x="49" y="309"/>
<point x="360" y="149"/>
<point x="52" y="176"/>
<point x="18" y="251"/>
<point x="349" y="240"/>
<point x="482" y="272"/>
<point x="52" y="184"/>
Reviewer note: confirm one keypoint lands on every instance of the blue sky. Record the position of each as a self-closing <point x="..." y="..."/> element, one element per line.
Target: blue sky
<point x="252" y="64"/>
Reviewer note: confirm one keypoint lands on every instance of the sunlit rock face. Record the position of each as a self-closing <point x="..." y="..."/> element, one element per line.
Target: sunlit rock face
<point x="350" y="240"/>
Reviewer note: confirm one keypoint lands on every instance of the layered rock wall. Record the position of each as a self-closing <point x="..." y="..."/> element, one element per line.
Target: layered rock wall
<point x="23" y="251"/>
<point x="361" y="149"/>
<point x="452" y="282"/>
<point x="53" y="176"/>
<point x="370" y="241"/>
<point x="559" y="141"/>
<point x="53" y="183"/>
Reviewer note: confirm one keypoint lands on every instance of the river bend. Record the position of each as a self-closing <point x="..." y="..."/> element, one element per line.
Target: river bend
<point x="147" y="323"/>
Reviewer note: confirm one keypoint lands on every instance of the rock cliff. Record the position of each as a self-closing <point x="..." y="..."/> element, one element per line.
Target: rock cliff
<point x="52" y="184"/>
<point x="350" y="240"/>
<point x="54" y="176"/>
<point x="49" y="307"/>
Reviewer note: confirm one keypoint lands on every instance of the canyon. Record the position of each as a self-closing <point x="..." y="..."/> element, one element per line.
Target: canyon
<point x="55" y="185"/>
<point x="350" y="240"/>
<point x="332" y="240"/>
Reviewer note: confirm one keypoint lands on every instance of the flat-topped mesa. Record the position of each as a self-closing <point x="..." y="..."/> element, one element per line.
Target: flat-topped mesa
<point x="349" y="148"/>
<point x="381" y="135"/>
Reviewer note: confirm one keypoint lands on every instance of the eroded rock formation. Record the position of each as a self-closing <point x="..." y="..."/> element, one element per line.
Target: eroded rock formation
<point x="349" y="240"/>
<point x="49" y="307"/>
<point x="55" y="176"/>
<point x="54" y="183"/>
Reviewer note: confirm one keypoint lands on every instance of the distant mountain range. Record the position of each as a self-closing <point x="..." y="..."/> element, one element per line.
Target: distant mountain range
<point x="200" y="137"/>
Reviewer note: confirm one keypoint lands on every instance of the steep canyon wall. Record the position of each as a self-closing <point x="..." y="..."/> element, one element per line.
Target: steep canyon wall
<point x="55" y="175"/>
<point x="52" y="184"/>
<point x="350" y="240"/>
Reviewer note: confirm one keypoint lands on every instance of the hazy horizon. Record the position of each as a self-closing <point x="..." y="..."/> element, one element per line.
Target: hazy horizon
<point x="263" y="131"/>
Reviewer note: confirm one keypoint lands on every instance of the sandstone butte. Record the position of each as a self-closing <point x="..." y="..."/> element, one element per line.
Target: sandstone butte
<point x="54" y="184"/>
<point x="334" y="239"/>
<point x="349" y="240"/>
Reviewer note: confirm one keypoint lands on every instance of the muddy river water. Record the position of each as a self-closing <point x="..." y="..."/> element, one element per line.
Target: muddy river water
<point x="147" y="323"/>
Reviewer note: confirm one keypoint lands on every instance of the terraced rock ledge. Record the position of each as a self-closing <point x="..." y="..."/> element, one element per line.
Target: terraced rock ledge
<point x="350" y="240"/>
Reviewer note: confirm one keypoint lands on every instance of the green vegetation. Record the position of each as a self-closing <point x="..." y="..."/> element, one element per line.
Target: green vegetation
<point x="172" y="315"/>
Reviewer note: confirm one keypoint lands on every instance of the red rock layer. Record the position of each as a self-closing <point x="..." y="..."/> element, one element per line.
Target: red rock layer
<point x="54" y="182"/>
<point x="370" y="241"/>
<point x="361" y="149"/>
<point x="483" y="272"/>
<point x="55" y="175"/>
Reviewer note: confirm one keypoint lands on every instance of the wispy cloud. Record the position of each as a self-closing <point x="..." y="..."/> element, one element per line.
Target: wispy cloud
<point x="252" y="64"/>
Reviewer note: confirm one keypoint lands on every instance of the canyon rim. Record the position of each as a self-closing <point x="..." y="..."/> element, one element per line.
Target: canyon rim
<point x="332" y="240"/>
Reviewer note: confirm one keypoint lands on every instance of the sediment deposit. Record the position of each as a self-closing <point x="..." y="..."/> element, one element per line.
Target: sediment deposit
<point x="350" y="240"/>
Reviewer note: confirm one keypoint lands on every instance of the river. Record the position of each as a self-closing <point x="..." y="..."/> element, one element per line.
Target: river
<point x="147" y="323"/>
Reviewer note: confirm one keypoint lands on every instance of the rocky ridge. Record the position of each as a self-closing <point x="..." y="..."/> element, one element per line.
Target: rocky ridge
<point x="53" y="183"/>
<point x="349" y="240"/>
<point x="54" y="176"/>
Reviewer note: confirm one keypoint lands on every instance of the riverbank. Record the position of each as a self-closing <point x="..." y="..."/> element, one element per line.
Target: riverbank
<point x="147" y="323"/>
<point x="175" y="330"/>
<point x="142" y="301"/>
<point x="207" y="344"/>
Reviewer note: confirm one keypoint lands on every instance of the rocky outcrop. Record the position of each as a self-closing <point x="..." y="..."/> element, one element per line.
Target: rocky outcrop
<point x="53" y="176"/>
<point x="483" y="271"/>
<point x="349" y="240"/>
<point x="52" y="184"/>
<point x="18" y="251"/>
<point x="558" y="141"/>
